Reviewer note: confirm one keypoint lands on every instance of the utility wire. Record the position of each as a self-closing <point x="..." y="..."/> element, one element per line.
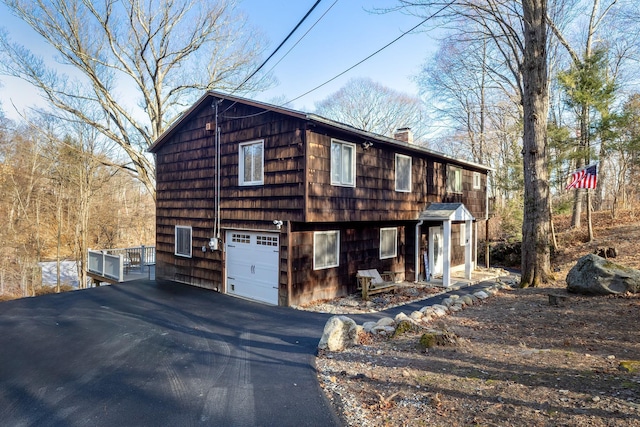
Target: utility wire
<point x="279" y="46"/>
<point x="303" y="36"/>
<point x="373" y="54"/>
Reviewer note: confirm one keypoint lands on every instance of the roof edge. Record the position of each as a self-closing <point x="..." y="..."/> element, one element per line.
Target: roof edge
<point x="313" y="118"/>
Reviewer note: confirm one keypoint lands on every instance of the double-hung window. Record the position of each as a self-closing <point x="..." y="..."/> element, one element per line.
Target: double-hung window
<point x="343" y="163"/>
<point x="251" y="162"/>
<point x="454" y="179"/>
<point x="388" y="242"/>
<point x="183" y="241"/>
<point x="403" y="173"/>
<point x="326" y="249"/>
<point x="477" y="181"/>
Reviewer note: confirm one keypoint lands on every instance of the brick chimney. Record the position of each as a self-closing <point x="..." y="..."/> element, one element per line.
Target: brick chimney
<point x="404" y="135"/>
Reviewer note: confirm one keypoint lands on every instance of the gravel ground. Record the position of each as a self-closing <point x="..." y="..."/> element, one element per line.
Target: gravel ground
<point x="518" y="361"/>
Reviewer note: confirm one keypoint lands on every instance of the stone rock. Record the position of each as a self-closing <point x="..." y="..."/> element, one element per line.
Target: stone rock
<point x="427" y="318"/>
<point x="386" y="321"/>
<point x="447" y="302"/>
<point x="481" y="295"/>
<point x="368" y="326"/>
<point x="383" y="330"/>
<point x="400" y="317"/>
<point x="339" y="333"/>
<point x="467" y="300"/>
<point x="434" y="338"/>
<point x="440" y="310"/>
<point x="403" y="327"/>
<point x="594" y="275"/>
<point x="416" y="315"/>
<point x="427" y="310"/>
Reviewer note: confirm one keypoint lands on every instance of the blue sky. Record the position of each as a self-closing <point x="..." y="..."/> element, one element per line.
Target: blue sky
<point x="348" y="33"/>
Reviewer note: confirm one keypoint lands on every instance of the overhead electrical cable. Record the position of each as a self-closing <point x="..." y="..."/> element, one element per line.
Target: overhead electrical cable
<point x="373" y="54"/>
<point x="303" y="36"/>
<point x="279" y="46"/>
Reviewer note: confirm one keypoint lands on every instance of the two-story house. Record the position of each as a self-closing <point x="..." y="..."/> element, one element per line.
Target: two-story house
<point x="285" y="207"/>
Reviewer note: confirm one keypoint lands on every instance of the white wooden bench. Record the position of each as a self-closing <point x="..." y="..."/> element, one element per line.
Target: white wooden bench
<point x="371" y="282"/>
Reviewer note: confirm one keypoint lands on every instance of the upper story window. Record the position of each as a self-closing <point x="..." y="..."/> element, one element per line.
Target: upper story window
<point x="343" y="163"/>
<point x="183" y="241"/>
<point x="403" y="173"/>
<point x="477" y="181"/>
<point x="454" y="179"/>
<point x="388" y="242"/>
<point x="251" y="163"/>
<point x="326" y="249"/>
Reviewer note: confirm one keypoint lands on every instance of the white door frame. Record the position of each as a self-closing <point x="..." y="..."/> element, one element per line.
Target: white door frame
<point x="435" y="233"/>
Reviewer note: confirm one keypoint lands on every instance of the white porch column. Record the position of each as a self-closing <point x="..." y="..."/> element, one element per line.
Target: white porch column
<point x="446" y="252"/>
<point x="467" y="249"/>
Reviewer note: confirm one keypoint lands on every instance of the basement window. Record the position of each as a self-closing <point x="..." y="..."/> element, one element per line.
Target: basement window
<point x="183" y="241"/>
<point x="326" y="249"/>
<point x="388" y="242"/>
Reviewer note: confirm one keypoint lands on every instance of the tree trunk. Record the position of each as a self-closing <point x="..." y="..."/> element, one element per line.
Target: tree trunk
<point x="583" y="149"/>
<point x="535" y="102"/>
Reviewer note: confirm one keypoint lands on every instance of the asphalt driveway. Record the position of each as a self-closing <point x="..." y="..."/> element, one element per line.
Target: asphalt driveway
<point x="147" y="353"/>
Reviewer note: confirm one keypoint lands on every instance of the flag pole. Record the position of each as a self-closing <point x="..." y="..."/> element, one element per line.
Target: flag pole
<point x="589" y="223"/>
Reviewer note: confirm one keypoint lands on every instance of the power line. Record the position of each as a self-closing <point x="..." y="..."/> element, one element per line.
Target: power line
<point x="304" y="35"/>
<point x="373" y="54"/>
<point x="279" y="46"/>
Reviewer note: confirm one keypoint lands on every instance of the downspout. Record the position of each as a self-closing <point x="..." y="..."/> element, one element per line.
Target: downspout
<point x="486" y="224"/>
<point x="417" y="251"/>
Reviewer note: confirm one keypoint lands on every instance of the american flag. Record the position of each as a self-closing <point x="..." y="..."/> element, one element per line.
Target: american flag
<point x="584" y="178"/>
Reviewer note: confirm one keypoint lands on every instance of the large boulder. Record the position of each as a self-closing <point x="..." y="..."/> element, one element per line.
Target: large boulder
<point x="594" y="275"/>
<point x="339" y="333"/>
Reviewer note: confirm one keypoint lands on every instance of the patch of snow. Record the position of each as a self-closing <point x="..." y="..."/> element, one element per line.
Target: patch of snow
<point x="68" y="273"/>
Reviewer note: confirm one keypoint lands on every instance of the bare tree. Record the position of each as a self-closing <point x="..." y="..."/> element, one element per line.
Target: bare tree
<point x="373" y="107"/>
<point x="136" y="65"/>
<point x="518" y="30"/>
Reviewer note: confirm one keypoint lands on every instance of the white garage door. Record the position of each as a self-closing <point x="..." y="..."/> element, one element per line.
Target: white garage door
<point x="252" y="265"/>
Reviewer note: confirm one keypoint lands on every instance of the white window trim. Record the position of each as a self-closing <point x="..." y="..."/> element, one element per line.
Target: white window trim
<point x="342" y="183"/>
<point x="477" y="181"/>
<point x="395" y="246"/>
<point x="241" y="180"/>
<point x="453" y="169"/>
<point x="404" y="190"/>
<point x="315" y="242"/>
<point x="175" y="245"/>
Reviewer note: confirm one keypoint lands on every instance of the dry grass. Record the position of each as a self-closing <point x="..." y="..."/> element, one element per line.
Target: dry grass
<point x="520" y="361"/>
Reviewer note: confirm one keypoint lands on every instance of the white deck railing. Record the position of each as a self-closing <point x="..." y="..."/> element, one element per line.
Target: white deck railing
<point x="116" y="264"/>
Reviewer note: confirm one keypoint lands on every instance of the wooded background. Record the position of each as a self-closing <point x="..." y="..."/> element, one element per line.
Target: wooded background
<point x="67" y="176"/>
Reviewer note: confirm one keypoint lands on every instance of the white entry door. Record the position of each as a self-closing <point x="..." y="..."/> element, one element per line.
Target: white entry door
<point x="252" y="265"/>
<point x="436" y="251"/>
